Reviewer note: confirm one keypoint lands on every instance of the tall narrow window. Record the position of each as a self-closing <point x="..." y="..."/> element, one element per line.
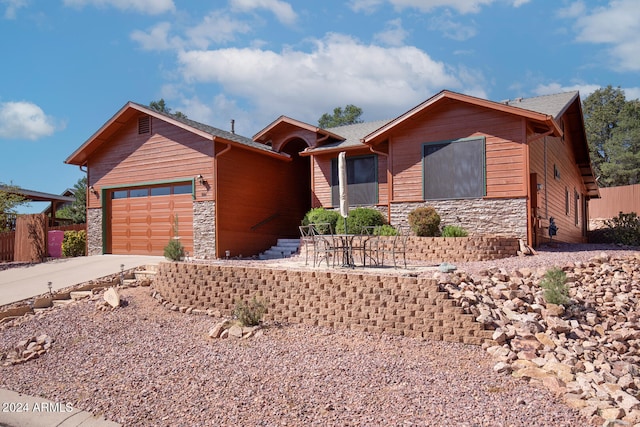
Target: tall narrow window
<point x="454" y="169"/>
<point x="576" y="204"/>
<point x="566" y="201"/>
<point x="362" y="181"/>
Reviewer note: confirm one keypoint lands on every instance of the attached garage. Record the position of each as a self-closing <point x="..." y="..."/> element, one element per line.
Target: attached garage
<point x="142" y="219"/>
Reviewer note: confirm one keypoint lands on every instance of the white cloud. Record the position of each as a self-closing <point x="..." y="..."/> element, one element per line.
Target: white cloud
<point x="216" y="27"/>
<point x="157" y="38"/>
<point x="339" y="70"/>
<point x="366" y="6"/>
<point x="282" y="10"/>
<point x="152" y="7"/>
<point x="616" y="25"/>
<point x="451" y="29"/>
<point x="24" y="120"/>
<point x="12" y="7"/>
<point x="393" y="34"/>
<point x="632" y="93"/>
<point x="552" y="88"/>
<point x="462" y="6"/>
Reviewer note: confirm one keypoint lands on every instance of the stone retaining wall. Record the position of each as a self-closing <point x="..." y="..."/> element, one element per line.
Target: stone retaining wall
<point x="394" y="305"/>
<point x="442" y="249"/>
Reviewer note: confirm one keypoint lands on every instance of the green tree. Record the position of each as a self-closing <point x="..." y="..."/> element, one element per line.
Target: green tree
<point x="349" y="116"/>
<point x="161" y="106"/>
<point x="9" y="201"/>
<point x="77" y="211"/>
<point x="601" y="112"/>
<point x="623" y="149"/>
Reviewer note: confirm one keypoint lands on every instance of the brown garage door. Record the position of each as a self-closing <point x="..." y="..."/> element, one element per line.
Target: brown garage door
<point x="141" y="219"/>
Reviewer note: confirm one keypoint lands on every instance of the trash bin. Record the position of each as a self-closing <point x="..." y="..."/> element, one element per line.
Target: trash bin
<point x="55" y="238"/>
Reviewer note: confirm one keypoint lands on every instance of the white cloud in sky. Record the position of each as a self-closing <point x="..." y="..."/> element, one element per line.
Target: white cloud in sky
<point x="281" y="9"/>
<point x="216" y="27"/>
<point x="339" y="70"/>
<point x="616" y="25"/>
<point x="393" y="34"/>
<point x="462" y="6"/>
<point x="157" y="38"/>
<point x="12" y="7"/>
<point x="152" y="7"/>
<point x="452" y="29"/>
<point x="24" y="120"/>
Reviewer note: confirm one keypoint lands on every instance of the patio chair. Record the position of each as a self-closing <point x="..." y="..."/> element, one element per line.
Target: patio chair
<point x="325" y="246"/>
<point x="370" y="243"/>
<point x="307" y="241"/>
<point x="397" y="248"/>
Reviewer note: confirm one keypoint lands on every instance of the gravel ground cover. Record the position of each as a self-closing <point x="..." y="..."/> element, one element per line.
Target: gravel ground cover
<point x="143" y="365"/>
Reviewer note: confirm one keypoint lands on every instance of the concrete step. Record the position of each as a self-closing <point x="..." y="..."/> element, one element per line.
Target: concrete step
<point x="284" y="248"/>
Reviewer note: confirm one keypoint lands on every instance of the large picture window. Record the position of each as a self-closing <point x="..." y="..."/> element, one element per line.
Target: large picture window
<point x="362" y="180"/>
<point x="454" y="169"/>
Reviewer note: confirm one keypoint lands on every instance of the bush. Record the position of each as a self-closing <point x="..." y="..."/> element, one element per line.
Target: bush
<point x="249" y="314"/>
<point x="624" y="229"/>
<point x="555" y="288"/>
<point x="74" y="243"/>
<point x="425" y="221"/>
<point x="319" y="216"/>
<point x="360" y="218"/>
<point x="454" y="231"/>
<point x="385" y="230"/>
<point x="174" y="250"/>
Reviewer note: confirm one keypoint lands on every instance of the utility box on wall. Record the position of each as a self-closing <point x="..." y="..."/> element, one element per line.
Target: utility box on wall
<point x="55" y="238"/>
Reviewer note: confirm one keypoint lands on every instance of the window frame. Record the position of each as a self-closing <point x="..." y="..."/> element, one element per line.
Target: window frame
<point x="482" y="164"/>
<point x="334" y="184"/>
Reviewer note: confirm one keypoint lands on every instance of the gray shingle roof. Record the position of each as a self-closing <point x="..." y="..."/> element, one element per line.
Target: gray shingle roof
<point x="552" y="105"/>
<point x="215" y="131"/>
<point x="352" y="134"/>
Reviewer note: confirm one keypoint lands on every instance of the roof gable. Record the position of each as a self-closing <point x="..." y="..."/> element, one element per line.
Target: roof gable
<point x="131" y="109"/>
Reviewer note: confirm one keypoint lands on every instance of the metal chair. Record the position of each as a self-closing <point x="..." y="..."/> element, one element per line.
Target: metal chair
<point x="325" y="246"/>
<point x="307" y="241"/>
<point x="398" y="246"/>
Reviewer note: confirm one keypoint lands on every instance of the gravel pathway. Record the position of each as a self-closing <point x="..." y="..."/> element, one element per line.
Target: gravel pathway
<point x="142" y="365"/>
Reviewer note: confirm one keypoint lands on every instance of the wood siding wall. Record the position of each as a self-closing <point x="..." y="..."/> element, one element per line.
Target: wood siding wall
<point x="254" y="203"/>
<point x="614" y="200"/>
<point x="321" y="165"/>
<point x="552" y="196"/>
<point x="166" y="153"/>
<point x="505" y="150"/>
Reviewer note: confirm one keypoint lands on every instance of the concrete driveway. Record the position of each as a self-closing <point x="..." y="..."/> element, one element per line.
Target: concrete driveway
<point x="17" y="284"/>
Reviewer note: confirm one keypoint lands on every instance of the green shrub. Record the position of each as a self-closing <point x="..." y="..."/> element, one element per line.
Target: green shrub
<point x="624" y="229"/>
<point x="320" y="216"/>
<point x="385" y="230"/>
<point x="174" y="250"/>
<point x="424" y="221"/>
<point x="249" y="314"/>
<point x="555" y="288"/>
<point x="74" y="243"/>
<point x="454" y="231"/>
<point x="358" y="219"/>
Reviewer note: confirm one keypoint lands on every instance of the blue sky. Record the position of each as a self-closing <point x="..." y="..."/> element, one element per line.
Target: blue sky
<point x="69" y="65"/>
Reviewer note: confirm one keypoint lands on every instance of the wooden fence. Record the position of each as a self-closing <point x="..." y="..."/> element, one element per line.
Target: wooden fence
<point x="614" y="200"/>
<point x="28" y="242"/>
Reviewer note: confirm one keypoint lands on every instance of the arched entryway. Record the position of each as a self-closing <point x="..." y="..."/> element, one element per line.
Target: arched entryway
<point x="300" y="181"/>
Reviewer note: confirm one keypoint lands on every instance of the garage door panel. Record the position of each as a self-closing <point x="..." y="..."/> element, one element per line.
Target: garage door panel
<point x="144" y="225"/>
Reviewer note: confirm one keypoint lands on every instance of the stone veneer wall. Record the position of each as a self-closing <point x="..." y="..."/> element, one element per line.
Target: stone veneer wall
<point x="204" y="229"/>
<point x="396" y="305"/>
<point x="94" y="231"/>
<point x="506" y="217"/>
